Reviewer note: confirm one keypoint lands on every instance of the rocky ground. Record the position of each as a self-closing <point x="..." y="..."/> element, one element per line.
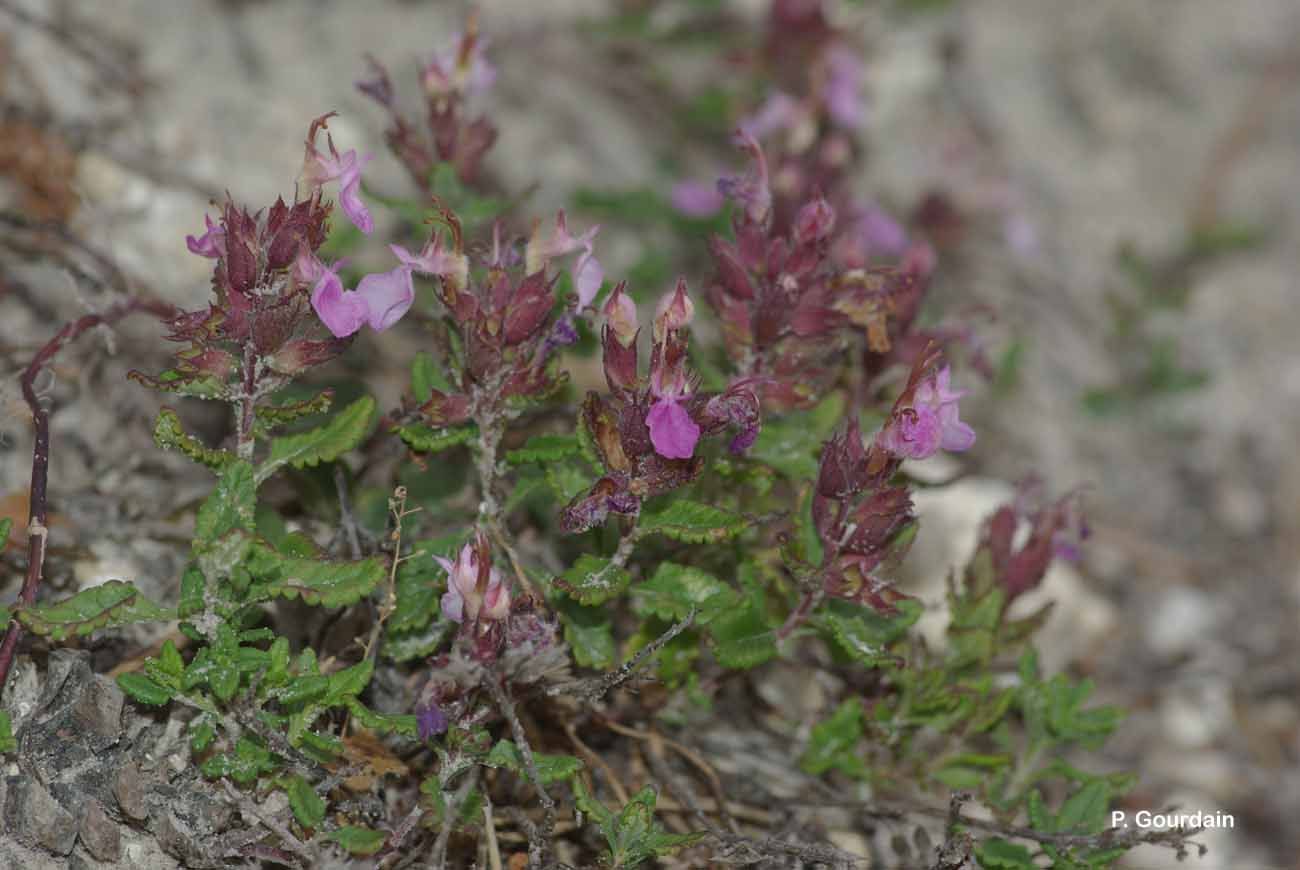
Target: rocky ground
<point x="1067" y="128"/>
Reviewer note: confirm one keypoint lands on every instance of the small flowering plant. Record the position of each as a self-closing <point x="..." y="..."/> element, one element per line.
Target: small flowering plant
<point x="742" y="498"/>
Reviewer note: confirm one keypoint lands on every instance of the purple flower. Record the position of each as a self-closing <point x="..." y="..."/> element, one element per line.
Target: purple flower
<point x="319" y="169"/>
<point x="696" y="199"/>
<point x="929" y="424"/>
<point x="341" y="312"/>
<point x="459" y="68"/>
<point x="675" y="311"/>
<point x="843" y="89"/>
<point x="211" y="244"/>
<point x="430" y="721"/>
<point x="387" y="296"/>
<point x="463" y="601"/>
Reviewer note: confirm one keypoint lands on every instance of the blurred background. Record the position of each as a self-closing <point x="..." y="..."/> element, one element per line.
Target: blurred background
<point x="1117" y="183"/>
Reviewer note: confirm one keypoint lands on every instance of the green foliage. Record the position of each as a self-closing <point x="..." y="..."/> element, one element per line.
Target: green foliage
<point x="327" y="584"/>
<point x="344" y="431"/>
<point x="231" y="505"/>
<point x="358" y="840"/>
<point x="632" y="833"/>
<point x="692" y="522"/>
<point x="307" y="806"/>
<point x="866" y="635"/>
<point x="834" y="742"/>
<point x="550" y="768"/>
<point x="108" y="605"/>
<point x="7" y="742"/>
<point x="792" y="443"/>
<point x="170" y="435"/>
<point x="588" y="631"/>
<point x="424" y="439"/>
<point x="545" y="449"/>
<point x="675" y="590"/>
<point x="593" y="580"/>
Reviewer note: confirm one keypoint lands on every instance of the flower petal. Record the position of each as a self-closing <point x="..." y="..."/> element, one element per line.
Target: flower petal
<point x="342" y="313"/>
<point x="672" y="431"/>
<point x="387" y="295"/>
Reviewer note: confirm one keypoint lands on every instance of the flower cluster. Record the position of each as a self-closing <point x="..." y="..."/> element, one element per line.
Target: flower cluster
<point x="454" y="75"/>
<point x="861" y="517"/>
<point x="506" y="322"/>
<point x="647" y="430"/>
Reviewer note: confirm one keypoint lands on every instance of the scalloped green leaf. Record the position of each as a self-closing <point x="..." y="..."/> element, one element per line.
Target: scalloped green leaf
<point x="423" y="439"/>
<point x="279" y="415"/>
<point x="551" y="768"/>
<point x="864" y="634"/>
<point x="692" y="523"/>
<point x="675" y="589"/>
<point x="358" y="840"/>
<point x="105" y="606"/>
<point x="308" y="807"/>
<point x="383" y="723"/>
<point x="344" y="431"/>
<point x="7" y="741"/>
<point x="170" y="435"/>
<point x="593" y="580"/>
<point x="545" y="448"/>
<point x="324" y="584"/>
<point x="998" y="854"/>
<point x="230" y="506"/>
<point x="6" y="525"/>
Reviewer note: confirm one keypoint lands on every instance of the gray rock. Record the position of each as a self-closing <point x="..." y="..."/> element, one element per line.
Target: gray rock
<point x="14" y="854"/>
<point x="35" y="818"/>
<point x="100" y="834"/>
<point x="130" y="788"/>
<point x="99" y="708"/>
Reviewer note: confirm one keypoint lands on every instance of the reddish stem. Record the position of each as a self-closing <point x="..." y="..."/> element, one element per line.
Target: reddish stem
<point x="38" y="513"/>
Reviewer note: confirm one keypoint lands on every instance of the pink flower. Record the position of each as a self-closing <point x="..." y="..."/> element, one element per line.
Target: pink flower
<point x="463" y="601"/>
<point x="929" y="424"/>
<point x="587" y="272"/>
<point x="696" y="199"/>
<point x="341" y="312"/>
<point x="212" y="244"/>
<point x="319" y="169"/>
<point x="387" y="296"/>
<point x="459" y="68"/>
<point x="752" y="190"/>
<point x="433" y="259"/>
<point x="672" y="431"/>
<point x="779" y="112"/>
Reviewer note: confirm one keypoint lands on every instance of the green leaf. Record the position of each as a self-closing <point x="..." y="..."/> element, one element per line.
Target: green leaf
<point x="970" y="770"/>
<point x="675" y="589"/>
<point x="997" y="854"/>
<point x="308" y="807"/>
<point x="170" y="435"/>
<point x="7" y="741"/>
<point x="632" y="833"/>
<point x="545" y="448"/>
<point x="588" y="631"/>
<point x="417" y="644"/>
<point x="593" y="580"/>
<point x="144" y="690"/>
<point x="344" y="431"/>
<point x="325" y="584"/>
<point x="865" y="634"/>
<point x="108" y="605"/>
<point x="358" y="840"/>
<point x="1084" y="812"/>
<point x="230" y="506"/>
<point x="348" y="683"/>
<point x="833" y="741"/>
<point x="424" y="439"/>
<point x="193" y="585"/>
<point x="249" y="761"/>
<point x="551" y="768"/>
<point x="203" y="731"/>
<point x="384" y="723"/>
<point x="792" y="443"/>
<point x="427" y="376"/>
<point x="692" y="522"/>
<point x="742" y="638"/>
<point x="5" y="525"/>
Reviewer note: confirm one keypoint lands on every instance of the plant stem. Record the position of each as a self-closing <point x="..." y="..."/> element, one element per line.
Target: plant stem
<point x="246" y="411"/>
<point x="37" y="530"/>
